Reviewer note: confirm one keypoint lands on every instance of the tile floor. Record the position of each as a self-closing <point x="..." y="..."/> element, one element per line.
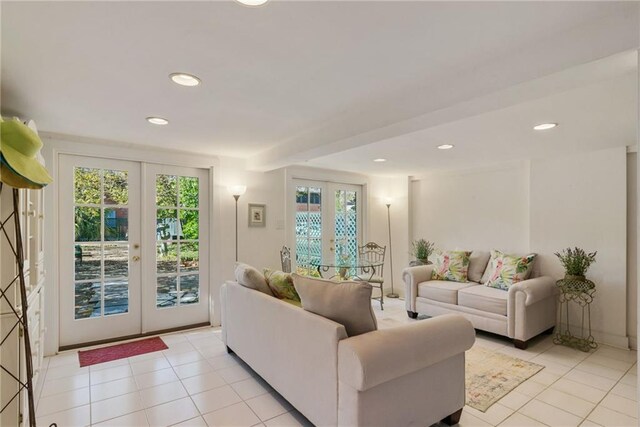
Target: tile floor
<point x="196" y="383"/>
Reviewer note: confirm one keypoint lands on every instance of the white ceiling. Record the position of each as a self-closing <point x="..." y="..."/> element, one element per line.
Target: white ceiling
<point x="600" y="113"/>
<point x="280" y="78"/>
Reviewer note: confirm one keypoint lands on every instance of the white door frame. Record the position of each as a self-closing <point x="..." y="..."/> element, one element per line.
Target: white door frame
<point x="56" y="145"/>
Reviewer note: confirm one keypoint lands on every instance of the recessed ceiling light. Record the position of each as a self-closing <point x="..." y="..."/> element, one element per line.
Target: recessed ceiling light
<point x="252" y="2"/>
<point x="379" y="160"/>
<point x="184" y="79"/>
<point x="545" y="126"/>
<point x="445" y="147"/>
<point x="158" y="121"/>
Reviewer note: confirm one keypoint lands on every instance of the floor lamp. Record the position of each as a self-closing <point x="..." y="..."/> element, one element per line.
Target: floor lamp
<point x="236" y="191"/>
<point x="392" y="294"/>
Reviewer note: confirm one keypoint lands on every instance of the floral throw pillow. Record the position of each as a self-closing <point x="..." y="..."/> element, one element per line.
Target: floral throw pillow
<point x="451" y="265"/>
<point x="506" y="270"/>
<point x="281" y="284"/>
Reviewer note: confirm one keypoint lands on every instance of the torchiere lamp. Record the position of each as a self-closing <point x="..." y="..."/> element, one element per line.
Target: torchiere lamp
<point x="392" y="294"/>
<point x="236" y="191"/>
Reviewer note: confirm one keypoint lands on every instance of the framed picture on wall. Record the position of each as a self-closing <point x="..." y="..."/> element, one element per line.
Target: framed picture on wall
<point x="257" y="215"/>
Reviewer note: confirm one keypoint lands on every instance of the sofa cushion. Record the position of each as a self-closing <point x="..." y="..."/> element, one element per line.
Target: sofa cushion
<point x="451" y="265"/>
<point x="477" y="265"/>
<point x="251" y="278"/>
<point x="348" y="303"/>
<point x="442" y="290"/>
<point x="504" y="270"/>
<point x="484" y="298"/>
<point x="281" y="284"/>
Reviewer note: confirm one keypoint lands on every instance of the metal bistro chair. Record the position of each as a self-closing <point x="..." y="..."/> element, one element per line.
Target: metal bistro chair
<point x="374" y="253"/>
<point x="285" y="259"/>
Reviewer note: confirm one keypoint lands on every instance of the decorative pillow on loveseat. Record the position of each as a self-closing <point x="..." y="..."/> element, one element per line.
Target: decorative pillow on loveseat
<point x="451" y="265"/>
<point x="505" y="270"/>
<point x="281" y="284"/>
<point x="348" y="303"/>
<point x="251" y="278"/>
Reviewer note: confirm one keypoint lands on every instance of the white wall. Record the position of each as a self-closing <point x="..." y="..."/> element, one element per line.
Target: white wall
<point x="632" y="248"/>
<point x="542" y="206"/>
<point x="581" y="201"/>
<point x="474" y="210"/>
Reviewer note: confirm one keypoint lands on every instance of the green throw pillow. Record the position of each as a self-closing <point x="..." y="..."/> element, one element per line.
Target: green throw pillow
<point x="451" y="265"/>
<point x="281" y="284"/>
<point x="506" y="270"/>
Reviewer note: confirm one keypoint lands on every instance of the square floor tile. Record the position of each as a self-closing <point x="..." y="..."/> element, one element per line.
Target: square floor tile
<point x="62" y="401"/>
<point x="624" y="390"/>
<point x="134" y="419"/>
<point x="494" y="415"/>
<point x="237" y="415"/>
<point x="200" y="383"/>
<point x="290" y="419"/>
<point x="184" y="358"/>
<point x="222" y="362"/>
<point x="468" y="420"/>
<point x="235" y="373"/>
<point x="65" y="371"/>
<point x="515" y="400"/>
<point x="249" y="388"/>
<point x="214" y="399"/>
<point x="64" y="384"/>
<point x="110" y="374"/>
<point x="600" y="370"/>
<point x="519" y="420"/>
<point x="620" y="404"/>
<point x="115" y="407"/>
<point x="113" y="388"/>
<point x="549" y="415"/>
<point x="566" y="402"/>
<point x="192" y="369"/>
<point x="155" y="378"/>
<point x="266" y="406"/>
<point x="590" y="379"/>
<point x="144" y="366"/>
<point x="608" y="417"/>
<point x="171" y="412"/>
<point x="590" y="394"/>
<point x="107" y="365"/>
<point x="193" y="422"/>
<point x="76" y="417"/>
<point x="530" y="388"/>
<point x="163" y="393"/>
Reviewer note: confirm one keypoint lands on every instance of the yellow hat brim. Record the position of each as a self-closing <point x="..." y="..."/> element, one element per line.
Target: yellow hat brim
<point x="29" y="168"/>
<point x="7" y="176"/>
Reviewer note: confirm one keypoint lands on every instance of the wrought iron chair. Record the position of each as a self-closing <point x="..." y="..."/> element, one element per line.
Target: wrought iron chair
<point x="374" y="253"/>
<point x="285" y="259"/>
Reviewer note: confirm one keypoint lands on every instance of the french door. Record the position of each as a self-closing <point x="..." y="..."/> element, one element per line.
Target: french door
<point x="328" y="222"/>
<point x="131" y="239"/>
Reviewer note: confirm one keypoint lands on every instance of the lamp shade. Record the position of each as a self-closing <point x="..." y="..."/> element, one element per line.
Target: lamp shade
<point x="237" y="190"/>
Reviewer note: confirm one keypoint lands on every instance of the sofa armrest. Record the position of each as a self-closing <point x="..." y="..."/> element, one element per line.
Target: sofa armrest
<point x="534" y="290"/>
<point x="412" y="276"/>
<point x="370" y="359"/>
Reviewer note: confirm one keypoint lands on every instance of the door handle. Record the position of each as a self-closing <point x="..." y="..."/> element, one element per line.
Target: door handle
<point x="136" y="258"/>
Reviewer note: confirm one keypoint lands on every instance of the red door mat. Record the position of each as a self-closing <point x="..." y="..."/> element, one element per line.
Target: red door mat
<point x="120" y="351"/>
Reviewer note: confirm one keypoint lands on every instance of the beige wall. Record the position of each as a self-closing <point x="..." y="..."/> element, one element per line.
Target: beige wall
<point x="632" y="248"/>
<point x="478" y="209"/>
<point x="541" y="206"/>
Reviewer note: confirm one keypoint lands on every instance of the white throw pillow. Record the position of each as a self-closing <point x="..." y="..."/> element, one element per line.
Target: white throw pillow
<point x="251" y="278"/>
<point x="348" y="303"/>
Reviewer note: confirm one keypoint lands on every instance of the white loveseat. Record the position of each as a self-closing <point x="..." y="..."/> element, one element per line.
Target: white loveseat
<point x="527" y="309"/>
<point x="409" y="375"/>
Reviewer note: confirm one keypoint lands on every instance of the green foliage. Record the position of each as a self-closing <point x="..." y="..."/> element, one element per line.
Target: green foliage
<point x="576" y="261"/>
<point x="422" y="249"/>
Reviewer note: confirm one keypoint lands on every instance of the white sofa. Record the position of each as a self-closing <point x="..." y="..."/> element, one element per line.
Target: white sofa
<point x="411" y="375"/>
<point x="527" y="309"/>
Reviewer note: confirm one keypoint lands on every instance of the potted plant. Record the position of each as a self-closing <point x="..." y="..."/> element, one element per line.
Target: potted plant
<point x="421" y="249"/>
<point x="576" y="262"/>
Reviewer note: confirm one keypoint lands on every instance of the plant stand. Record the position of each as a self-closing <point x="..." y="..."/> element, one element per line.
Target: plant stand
<point x="580" y="292"/>
<point x="19" y="318"/>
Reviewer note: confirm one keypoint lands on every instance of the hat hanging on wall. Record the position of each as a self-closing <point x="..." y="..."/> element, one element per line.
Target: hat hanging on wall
<point x="19" y="148"/>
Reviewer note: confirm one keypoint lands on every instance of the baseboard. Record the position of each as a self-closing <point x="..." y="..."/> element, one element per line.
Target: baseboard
<point x="633" y="343"/>
<point x="619" y="341"/>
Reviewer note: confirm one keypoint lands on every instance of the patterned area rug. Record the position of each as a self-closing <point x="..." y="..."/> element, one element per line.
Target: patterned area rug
<point x="120" y="351"/>
<point x="489" y="376"/>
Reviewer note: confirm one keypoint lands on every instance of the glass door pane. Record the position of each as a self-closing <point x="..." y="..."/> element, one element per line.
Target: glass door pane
<point x="308" y="228"/>
<point x="101" y="268"/>
<point x="177" y="232"/>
